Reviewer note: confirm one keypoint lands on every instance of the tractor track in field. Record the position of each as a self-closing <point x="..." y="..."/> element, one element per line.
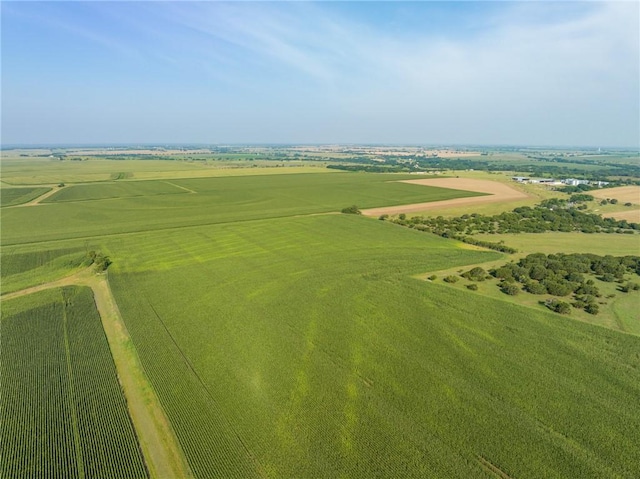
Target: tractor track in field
<point x="492" y="468"/>
<point x="162" y="452"/>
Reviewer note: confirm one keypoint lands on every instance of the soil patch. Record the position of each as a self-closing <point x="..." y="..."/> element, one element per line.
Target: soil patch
<point x="632" y="215"/>
<point x="497" y="192"/>
<point x="624" y="194"/>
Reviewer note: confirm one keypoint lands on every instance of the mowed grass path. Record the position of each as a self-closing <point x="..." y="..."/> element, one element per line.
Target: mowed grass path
<point x="300" y="347"/>
<point x="217" y="200"/>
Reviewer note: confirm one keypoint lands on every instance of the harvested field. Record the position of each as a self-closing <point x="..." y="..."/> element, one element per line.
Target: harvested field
<point x="497" y="192"/>
<point x="631" y="215"/>
<point x="624" y="194"/>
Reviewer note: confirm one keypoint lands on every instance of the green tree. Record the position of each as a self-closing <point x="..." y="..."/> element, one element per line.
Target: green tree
<point x="351" y="210"/>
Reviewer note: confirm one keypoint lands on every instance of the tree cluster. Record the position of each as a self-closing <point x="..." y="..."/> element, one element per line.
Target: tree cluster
<point x="99" y="261"/>
<point x="565" y="275"/>
<point x="550" y="215"/>
<point x="351" y="210"/>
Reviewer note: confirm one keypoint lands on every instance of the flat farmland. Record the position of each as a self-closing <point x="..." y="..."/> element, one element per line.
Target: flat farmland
<point x="624" y="194"/>
<point x="49" y="171"/>
<point x="284" y="341"/>
<point x="20" y="270"/>
<point x="308" y="351"/>
<point x="488" y="192"/>
<point x="215" y="200"/>
<point x="18" y="196"/>
<point x="63" y="413"/>
<point x="556" y="242"/>
<point x="35" y="171"/>
<point x="115" y="190"/>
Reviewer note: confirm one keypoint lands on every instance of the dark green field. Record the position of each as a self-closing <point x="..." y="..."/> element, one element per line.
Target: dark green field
<point x="63" y="413"/>
<point x="286" y="343"/>
<point x="20" y="270"/>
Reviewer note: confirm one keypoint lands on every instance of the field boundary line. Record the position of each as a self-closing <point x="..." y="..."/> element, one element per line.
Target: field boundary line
<point x="163" y="455"/>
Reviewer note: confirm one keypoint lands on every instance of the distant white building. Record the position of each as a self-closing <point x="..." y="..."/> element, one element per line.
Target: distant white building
<point x="574" y="182"/>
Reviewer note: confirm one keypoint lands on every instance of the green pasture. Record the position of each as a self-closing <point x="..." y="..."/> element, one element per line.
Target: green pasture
<point x="301" y="347"/>
<point x="18" y="196"/>
<point x="557" y="242"/>
<point x="216" y="200"/>
<point x="62" y="410"/>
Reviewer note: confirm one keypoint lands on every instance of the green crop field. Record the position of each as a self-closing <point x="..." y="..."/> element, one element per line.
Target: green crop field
<point x="22" y="269"/>
<point x="63" y="413"/>
<point x="18" y="196"/>
<point x="217" y="200"/>
<point x="115" y="190"/>
<point x="307" y="339"/>
<point x="284" y="340"/>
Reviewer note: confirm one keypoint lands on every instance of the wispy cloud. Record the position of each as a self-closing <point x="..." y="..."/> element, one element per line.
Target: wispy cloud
<point x="508" y="72"/>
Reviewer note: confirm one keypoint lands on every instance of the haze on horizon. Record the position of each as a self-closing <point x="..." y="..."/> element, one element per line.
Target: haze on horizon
<point x="543" y="73"/>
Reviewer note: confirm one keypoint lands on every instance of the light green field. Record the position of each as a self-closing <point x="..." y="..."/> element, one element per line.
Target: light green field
<point x="48" y="171"/>
<point x="62" y="411"/>
<point x="283" y="343"/>
<point x="362" y="369"/>
<point x="115" y="190"/>
<point x="556" y="242"/>
<point x="52" y="171"/>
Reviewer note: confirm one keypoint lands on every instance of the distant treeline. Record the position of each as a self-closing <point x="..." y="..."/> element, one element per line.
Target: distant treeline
<point x="604" y="172"/>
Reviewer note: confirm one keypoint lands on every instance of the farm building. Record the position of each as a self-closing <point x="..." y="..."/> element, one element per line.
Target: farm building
<point x="575" y="182"/>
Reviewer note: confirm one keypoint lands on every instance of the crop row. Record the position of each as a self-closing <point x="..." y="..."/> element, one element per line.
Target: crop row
<point x="63" y="412"/>
<point x="329" y="360"/>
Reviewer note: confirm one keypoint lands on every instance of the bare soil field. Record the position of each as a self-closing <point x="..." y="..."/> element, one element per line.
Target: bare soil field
<point x="631" y="215"/>
<point x="498" y="192"/>
<point x="624" y="194"/>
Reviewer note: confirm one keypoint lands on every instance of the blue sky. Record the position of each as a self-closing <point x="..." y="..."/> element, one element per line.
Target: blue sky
<point x="536" y="73"/>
